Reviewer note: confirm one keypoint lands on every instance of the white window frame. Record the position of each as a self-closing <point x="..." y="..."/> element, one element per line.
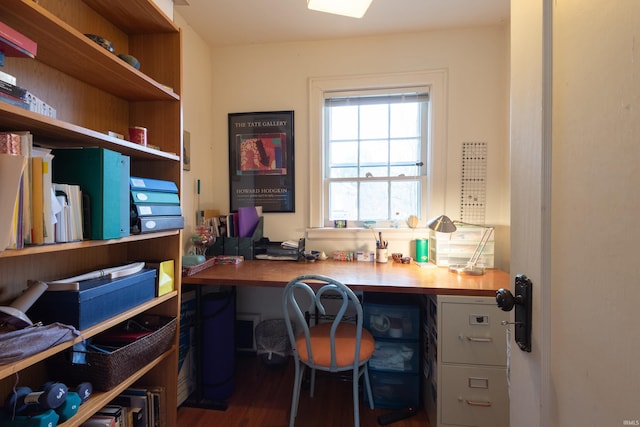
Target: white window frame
<point x="436" y="80"/>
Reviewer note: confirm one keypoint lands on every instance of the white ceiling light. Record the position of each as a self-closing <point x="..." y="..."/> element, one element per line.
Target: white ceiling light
<point x="352" y="8"/>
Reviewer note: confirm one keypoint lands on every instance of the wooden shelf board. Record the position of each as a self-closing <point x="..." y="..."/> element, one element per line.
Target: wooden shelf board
<point x="58" y="247"/>
<point x="64" y="48"/>
<point x="57" y="133"/>
<point x="149" y="18"/>
<point x="7" y="370"/>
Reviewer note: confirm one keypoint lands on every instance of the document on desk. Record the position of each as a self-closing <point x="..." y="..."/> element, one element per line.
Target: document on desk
<point x="277" y="257"/>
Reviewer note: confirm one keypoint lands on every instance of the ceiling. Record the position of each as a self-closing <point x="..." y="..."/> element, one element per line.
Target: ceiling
<point x="234" y="22"/>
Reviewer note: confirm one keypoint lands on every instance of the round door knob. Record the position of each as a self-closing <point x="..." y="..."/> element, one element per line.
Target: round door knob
<point x="505" y="299"/>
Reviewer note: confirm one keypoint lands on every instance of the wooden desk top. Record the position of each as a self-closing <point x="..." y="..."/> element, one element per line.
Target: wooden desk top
<point x="367" y="276"/>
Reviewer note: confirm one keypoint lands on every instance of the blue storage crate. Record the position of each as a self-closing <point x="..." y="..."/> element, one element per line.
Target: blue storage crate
<point x="392" y="321"/>
<point x="96" y="301"/>
<point x="393" y="390"/>
<point x="395" y="356"/>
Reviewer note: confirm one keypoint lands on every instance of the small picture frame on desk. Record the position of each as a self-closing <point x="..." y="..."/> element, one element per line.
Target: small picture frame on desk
<point x="261" y="161"/>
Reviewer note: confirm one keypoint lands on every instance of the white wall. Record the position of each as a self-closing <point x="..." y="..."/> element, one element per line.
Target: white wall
<point x="269" y="77"/>
<point x="196" y="111"/>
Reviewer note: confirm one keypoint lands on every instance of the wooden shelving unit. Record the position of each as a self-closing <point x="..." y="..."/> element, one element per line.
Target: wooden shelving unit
<point x="93" y="92"/>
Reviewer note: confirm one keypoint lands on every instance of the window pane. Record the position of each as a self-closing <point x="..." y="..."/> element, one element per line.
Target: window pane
<point x="374" y="153"/>
<point x="374" y="200"/>
<point x="374" y="121"/>
<point x="405" y="120"/>
<point x="405" y="151"/>
<point x="404" y="198"/>
<point x="374" y="171"/>
<point x="404" y="171"/>
<point x="344" y="153"/>
<point x="343" y="172"/>
<point x="343" y="201"/>
<point x="344" y="122"/>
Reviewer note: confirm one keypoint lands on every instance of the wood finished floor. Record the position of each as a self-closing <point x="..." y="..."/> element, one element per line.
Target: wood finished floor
<point x="262" y="398"/>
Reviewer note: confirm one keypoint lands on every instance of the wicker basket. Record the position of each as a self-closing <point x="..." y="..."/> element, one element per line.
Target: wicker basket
<point x="107" y="370"/>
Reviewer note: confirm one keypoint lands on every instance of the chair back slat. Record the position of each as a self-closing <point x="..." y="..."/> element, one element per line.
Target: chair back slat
<point x="293" y="302"/>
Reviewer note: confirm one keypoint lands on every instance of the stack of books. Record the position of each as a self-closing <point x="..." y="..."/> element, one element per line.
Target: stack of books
<point x="134" y="407"/>
<point x="14" y="43"/>
<point x="45" y="211"/>
<point x="155" y="205"/>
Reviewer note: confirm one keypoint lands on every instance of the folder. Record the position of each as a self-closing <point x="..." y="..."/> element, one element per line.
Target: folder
<point x="125" y="171"/>
<point x="157" y="223"/>
<point x="149" y="184"/>
<point x="155" y="210"/>
<point x="98" y="172"/>
<point x="154" y="197"/>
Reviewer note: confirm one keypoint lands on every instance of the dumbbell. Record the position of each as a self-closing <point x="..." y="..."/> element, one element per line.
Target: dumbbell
<point x="75" y="397"/>
<point x="84" y="390"/>
<point x="23" y="398"/>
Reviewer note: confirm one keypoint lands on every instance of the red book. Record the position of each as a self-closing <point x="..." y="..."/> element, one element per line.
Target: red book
<point x="14" y="43"/>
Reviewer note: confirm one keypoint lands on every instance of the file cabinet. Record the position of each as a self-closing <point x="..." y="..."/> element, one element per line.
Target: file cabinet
<point x="394" y="368"/>
<point x="464" y="362"/>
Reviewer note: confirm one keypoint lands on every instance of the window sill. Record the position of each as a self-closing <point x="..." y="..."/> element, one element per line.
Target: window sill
<point x="366" y="233"/>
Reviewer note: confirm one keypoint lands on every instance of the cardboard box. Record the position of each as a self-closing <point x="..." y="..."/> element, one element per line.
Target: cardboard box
<point x="96" y="301"/>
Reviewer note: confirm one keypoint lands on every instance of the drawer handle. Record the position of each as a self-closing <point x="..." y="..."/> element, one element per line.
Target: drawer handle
<point x="477" y="403"/>
<point x="478" y="339"/>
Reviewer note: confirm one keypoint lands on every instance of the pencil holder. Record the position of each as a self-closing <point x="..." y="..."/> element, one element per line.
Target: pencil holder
<point x="382" y="255"/>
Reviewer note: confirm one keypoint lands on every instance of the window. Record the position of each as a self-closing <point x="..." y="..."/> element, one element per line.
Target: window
<point x="377" y="147"/>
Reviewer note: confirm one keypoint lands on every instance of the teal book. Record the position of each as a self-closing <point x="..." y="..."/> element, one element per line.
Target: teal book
<point x="98" y="173"/>
<point x="151" y="197"/>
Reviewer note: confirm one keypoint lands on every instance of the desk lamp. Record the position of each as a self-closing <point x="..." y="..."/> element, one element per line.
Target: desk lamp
<point x="443" y="224"/>
<point x="14" y="315"/>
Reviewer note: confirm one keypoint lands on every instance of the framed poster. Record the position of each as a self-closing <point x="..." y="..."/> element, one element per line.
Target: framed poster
<point x="261" y="161"/>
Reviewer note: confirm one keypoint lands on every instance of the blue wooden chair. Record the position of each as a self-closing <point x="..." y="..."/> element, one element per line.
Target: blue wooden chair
<point x="333" y="346"/>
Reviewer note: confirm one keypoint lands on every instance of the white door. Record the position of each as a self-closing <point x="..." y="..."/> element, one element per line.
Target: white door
<point x="575" y="203"/>
<point x="530" y="87"/>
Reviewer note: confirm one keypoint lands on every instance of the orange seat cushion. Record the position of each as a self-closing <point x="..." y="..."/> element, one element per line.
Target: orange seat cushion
<point x="345" y="345"/>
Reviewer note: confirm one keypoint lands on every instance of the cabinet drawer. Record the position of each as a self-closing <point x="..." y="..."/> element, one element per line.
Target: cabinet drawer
<point x="473" y="396"/>
<point x="392" y="321"/>
<point x="395" y="356"/>
<point x="472" y="333"/>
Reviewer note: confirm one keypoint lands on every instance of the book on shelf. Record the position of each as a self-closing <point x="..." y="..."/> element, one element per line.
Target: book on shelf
<point x="37" y="234"/>
<point x="49" y="201"/>
<point x="7" y="78"/>
<point x="138" y="398"/>
<point x="13" y="90"/>
<point x="14" y="43"/>
<point x="11" y="170"/>
<point x="116" y="411"/>
<point x="26" y="145"/>
<point x="98" y="420"/>
<point x="14" y="101"/>
<point x="68" y="227"/>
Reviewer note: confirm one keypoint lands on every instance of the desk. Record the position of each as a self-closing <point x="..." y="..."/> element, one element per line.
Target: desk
<point x="367" y="276"/>
<point x="404" y="279"/>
